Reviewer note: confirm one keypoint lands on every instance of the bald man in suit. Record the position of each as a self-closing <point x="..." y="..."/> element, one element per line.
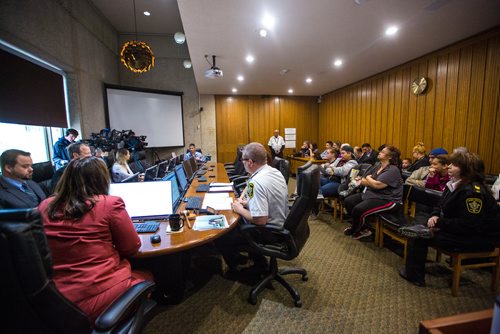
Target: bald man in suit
<point x="17" y="190"/>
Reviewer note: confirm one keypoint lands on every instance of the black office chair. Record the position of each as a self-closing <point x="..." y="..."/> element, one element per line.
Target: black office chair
<point x="42" y="174"/>
<point x="32" y="303"/>
<point x="285" y="243"/>
<point x="283" y="166"/>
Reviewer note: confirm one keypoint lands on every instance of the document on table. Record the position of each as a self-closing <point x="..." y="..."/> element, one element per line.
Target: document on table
<point x="217" y="201"/>
<point x="220" y="189"/>
<point x="221" y="184"/>
<point x="203" y="223"/>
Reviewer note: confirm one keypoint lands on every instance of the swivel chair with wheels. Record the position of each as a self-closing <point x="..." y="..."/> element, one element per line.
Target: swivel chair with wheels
<point x="32" y="303"/>
<point x="285" y="243"/>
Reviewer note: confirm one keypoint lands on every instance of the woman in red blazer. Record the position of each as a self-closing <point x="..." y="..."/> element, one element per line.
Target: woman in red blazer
<point x="90" y="235"/>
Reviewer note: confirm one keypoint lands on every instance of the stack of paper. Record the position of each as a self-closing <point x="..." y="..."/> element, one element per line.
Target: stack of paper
<point x="217" y="201"/>
<point x="221" y="187"/>
<point x="203" y="223"/>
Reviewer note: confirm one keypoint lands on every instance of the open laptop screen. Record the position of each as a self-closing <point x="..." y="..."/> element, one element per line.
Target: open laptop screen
<point x="194" y="165"/>
<point x="150" y="173"/>
<point x="145" y="199"/>
<point x="176" y="195"/>
<point x="162" y="169"/>
<point x="187" y="169"/>
<point x="181" y="177"/>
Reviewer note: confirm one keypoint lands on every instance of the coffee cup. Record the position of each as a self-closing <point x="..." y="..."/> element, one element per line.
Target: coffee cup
<point x="175" y="222"/>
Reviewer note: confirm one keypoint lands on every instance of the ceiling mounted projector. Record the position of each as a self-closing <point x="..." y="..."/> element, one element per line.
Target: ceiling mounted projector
<point x="213" y="72"/>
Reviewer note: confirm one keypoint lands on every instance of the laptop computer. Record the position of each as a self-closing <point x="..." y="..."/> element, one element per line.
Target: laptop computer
<point x="145" y="200"/>
<point x="150" y="173"/>
<point x="132" y="178"/>
<point x="181" y="178"/>
<point x="176" y="194"/>
<point x="187" y="169"/>
<point x="162" y="169"/>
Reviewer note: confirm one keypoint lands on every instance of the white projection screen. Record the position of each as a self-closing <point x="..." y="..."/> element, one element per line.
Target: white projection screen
<point x="152" y="113"/>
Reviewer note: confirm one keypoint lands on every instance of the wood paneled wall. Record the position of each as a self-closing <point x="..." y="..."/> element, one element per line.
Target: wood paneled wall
<point x="459" y="108"/>
<point x="244" y="119"/>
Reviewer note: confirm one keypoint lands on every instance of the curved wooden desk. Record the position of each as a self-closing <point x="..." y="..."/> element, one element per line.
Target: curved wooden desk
<point x="188" y="238"/>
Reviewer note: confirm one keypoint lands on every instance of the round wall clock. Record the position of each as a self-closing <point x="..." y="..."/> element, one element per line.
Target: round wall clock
<point x="419" y="85"/>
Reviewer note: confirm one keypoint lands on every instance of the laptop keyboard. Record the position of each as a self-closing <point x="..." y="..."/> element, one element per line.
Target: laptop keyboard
<point x="202" y="188"/>
<point x="194" y="202"/>
<point x="147" y="227"/>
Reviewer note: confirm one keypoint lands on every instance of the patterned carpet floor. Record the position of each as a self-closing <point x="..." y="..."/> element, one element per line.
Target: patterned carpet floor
<point x="353" y="287"/>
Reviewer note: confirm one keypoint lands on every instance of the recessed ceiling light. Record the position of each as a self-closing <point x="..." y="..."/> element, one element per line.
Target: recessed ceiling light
<point x="263" y="33"/>
<point x="284" y="71"/>
<point x="309" y="80"/>
<point x="147" y="13"/>
<point x="391" y="31"/>
<point x="249" y="59"/>
<point x="240" y="78"/>
<point x="268" y="21"/>
<point x="187" y="63"/>
<point x="337" y="62"/>
<point x="290" y="91"/>
<point x="234" y="90"/>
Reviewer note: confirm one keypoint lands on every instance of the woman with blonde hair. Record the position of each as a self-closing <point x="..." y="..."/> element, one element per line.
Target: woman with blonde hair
<point x="421" y="159"/>
<point x="121" y="170"/>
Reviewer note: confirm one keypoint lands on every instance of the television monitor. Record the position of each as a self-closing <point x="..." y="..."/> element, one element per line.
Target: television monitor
<point x="132" y="178"/>
<point x="150" y="173"/>
<point x="162" y="169"/>
<point x="187" y="169"/>
<point x="145" y="200"/>
<point x="176" y="195"/>
<point x="194" y="165"/>
<point x="181" y="177"/>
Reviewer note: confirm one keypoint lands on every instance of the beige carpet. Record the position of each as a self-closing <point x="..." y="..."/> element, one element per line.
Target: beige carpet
<point x="353" y="287"/>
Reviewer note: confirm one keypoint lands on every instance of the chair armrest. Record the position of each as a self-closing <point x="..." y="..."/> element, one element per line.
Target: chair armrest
<point x="125" y="306"/>
<point x="270" y="240"/>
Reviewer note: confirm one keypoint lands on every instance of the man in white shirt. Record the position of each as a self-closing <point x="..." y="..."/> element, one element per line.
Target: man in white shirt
<point x="265" y="202"/>
<point x="276" y="145"/>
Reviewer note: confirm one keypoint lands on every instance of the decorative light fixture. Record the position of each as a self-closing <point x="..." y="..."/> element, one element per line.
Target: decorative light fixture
<point x="135" y="55"/>
<point x="179" y="38"/>
<point x="187" y="63"/>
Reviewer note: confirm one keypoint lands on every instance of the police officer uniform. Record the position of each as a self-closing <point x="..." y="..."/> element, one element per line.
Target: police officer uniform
<point x="468" y="221"/>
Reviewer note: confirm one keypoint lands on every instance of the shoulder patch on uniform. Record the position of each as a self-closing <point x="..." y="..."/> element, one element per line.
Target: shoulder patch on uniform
<point x="474" y="205"/>
<point x="250" y="189"/>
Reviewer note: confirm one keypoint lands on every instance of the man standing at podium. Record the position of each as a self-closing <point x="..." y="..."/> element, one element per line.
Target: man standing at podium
<point x="264" y="202"/>
<point x="276" y="145"/>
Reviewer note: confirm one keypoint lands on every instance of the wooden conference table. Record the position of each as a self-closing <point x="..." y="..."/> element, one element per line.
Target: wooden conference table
<point x="188" y="238"/>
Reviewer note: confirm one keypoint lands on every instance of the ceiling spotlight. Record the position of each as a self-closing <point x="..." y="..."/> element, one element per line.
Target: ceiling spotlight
<point x="187" y="63"/>
<point x="290" y="91"/>
<point x="391" y="31"/>
<point x="309" y="80"/>
<point x="179" y="38"/>
<point x="147" y="13"/>
<point x="263" y="33"/>
<point x="240" y="78"/>
<point x="249" y="59"/>
<point x="337" y="62"/>
<point x="268" y="21"/>
<point x="284" y="71"/>
<point x="234" y="90"/>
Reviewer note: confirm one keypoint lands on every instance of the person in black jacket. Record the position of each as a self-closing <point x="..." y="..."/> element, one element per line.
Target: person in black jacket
<point x="369" y="155"/>
<point x="61" y="156"/>
<point x="17" y="190"/>
<point x="467" y="218"/>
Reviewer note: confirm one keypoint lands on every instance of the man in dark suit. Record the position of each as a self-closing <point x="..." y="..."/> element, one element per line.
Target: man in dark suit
<point x="369" y="155"/>
<point x="17" y="190"/>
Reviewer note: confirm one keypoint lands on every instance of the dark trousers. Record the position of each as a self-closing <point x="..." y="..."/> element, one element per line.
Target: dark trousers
<point x="417" y="250"/>
<point x="274" y="155"/>
<point x="360" y="209"/>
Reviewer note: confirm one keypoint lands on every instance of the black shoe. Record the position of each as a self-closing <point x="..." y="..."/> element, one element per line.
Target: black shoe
<point x="402" y="273"/>
<point x="416" y="231"/>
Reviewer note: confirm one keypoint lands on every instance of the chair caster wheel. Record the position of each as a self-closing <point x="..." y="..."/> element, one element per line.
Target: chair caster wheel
<point x="298" y="303"/>
<point x="305" y="278"/>
<point x="252" y="300"/>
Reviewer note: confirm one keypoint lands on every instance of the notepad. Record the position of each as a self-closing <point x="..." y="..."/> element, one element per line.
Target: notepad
<point x="212" y="222"/>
